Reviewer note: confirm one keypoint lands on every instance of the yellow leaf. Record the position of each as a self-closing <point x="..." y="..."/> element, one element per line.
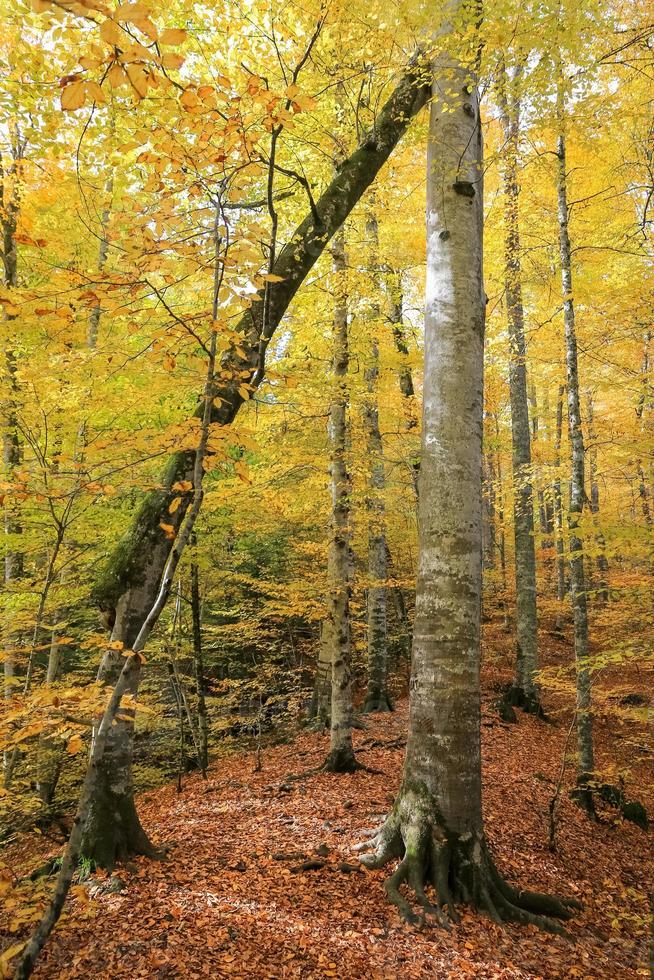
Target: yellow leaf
<point x="304" y="102"/>
<point x="168" y="529"/>
<point x="75" y="745"/>
<point x="271" y="277"/>
<point x="129" y="11"/>
<point x="173" y="36"/>
<point x="174" y="504"/>
<point x="241" y="471"/>
<point x="94" y="92"/>
<point x="73" y="96"/>
<point x="89" y="63"/>
<point x="111" y="32"/>
<point x="7" y="956"/>
<point x="139" y="79"/>
<point x="116" y="76"/>
<point x="189" y="99"/>
<point x="182" y="485"/>
<point x="170" y="60"/>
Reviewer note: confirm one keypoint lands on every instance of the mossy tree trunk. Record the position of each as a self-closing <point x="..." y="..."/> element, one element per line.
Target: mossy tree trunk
<point x="436" y="823"/>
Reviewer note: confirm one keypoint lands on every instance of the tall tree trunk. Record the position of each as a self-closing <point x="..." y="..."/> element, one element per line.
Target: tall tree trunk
<point x="341" y="756"/>
<point x="585" y="753"/>
<point x="50" y="752"/>
<point x="198" y="669"/>
<point x="401" y="617"/>
<point x="524" y="691"/>
<point x="601" y="560"/>
<point x="558" y="512"/>
<point x="129" y="581"/>
<point x="320" y="705"/>
<point x="377" y="698"/>
<point x="535" y="433"/>
<point x="395" y="301"/>
<point x="488" y="528"/>
<point x="436" y="823"/>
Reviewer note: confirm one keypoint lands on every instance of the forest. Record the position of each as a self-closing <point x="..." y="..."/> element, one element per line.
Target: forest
<point x="327" y="489"/>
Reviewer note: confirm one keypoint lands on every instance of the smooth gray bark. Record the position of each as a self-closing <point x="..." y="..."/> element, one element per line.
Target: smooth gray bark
<point x="341" y="756"/>
<point x="524" y="692"/>
<point x="585" y="753"/>
<point x="395" y="299"/>
<point x="377" y="698"/>
<point x="602" y="590"/>
<point x="320" y="706"/>
<point x="558" y="511"/>
<point x="436" y="824"/>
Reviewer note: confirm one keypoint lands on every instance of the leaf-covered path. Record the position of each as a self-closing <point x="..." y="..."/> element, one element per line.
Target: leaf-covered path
<point x="231" y="901"/>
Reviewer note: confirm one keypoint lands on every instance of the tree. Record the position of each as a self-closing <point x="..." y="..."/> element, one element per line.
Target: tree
<point x="524" y="691"/>
<point x="436" y="824"/>
<point x="341" y="756"/>
<point x="585" y="749"/>
<point x="377" y="698"/>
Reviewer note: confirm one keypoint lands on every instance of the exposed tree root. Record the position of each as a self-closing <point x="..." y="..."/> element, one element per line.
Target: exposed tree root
<point x="457" y="869"/>
<point x="114" y="833"/>
<point x="377" y="703"/>
<point x="586" y="792"/>
<point x="341" y="760"/>
<point x="517" y="697"/>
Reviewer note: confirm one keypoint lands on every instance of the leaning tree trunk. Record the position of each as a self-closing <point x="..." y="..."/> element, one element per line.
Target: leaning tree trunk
<point x="436" y="823"/>
<point x="585" y="753"/>
<point x="128" y="585"/>
<point x="341" y="756"/>
<point x="377" y="698"/>
<point x="524" y="691"/>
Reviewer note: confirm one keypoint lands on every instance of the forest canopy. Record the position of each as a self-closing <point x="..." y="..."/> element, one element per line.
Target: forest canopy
<point x="327" y="414"/>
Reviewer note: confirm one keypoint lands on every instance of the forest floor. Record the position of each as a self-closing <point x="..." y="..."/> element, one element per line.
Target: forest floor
<point x="226" y="904"/>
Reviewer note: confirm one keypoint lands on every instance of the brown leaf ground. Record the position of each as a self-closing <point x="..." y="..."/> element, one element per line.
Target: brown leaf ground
<point x="223" y="906"/>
